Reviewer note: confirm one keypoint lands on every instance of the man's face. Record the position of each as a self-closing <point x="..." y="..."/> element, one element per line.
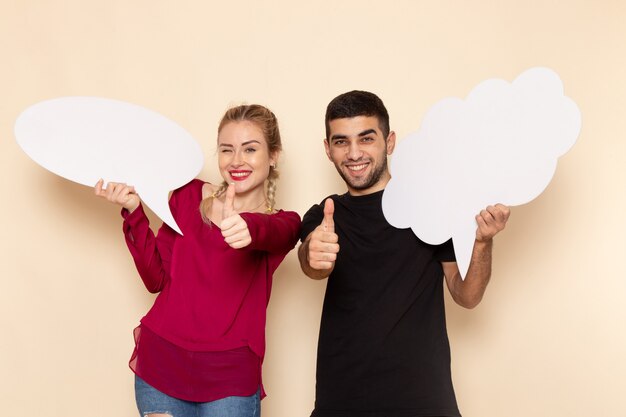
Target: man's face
<point x="359" y="151"/>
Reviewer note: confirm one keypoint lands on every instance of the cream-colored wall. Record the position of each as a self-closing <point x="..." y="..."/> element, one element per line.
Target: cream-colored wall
<point x="548" y="340"/>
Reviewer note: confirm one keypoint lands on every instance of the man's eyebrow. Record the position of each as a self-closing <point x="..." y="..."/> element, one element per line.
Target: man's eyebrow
<point x="363" y="133"/>
<point x="367" y="132"/>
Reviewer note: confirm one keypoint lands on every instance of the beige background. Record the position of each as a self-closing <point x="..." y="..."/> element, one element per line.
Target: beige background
<point x="548" y="340"/>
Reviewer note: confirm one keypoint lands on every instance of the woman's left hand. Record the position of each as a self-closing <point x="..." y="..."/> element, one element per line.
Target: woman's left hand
<point x="234" y="227"/>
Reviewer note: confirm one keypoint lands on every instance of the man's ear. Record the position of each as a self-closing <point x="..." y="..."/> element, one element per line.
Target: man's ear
<point x="327" y="149"/>
<point x="391" y="142"/>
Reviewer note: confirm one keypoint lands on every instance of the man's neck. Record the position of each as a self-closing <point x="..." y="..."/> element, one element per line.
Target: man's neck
<point x="379" y="186"/>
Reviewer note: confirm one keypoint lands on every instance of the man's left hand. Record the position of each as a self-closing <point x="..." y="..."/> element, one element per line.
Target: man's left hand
<point x="491" y="221"/>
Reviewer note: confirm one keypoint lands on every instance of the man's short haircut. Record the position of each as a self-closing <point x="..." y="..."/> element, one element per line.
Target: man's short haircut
<point x="358" y="103"/>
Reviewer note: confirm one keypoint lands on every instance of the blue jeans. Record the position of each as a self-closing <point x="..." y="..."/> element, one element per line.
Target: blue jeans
<point x="152" y="401"/>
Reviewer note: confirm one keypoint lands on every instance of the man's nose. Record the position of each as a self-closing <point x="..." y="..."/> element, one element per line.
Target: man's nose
<point x="354" y="151"/>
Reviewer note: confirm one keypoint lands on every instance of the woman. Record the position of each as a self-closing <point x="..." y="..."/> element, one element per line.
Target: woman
<point x="200" y="348"/>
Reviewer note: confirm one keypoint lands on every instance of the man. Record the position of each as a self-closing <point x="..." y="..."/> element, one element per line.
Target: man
<point x="383" y="348"/>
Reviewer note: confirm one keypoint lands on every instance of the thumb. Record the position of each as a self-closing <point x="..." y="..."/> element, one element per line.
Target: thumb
<point x="329" y="210"/>
<point x="228" y="209"/>
<point x="99" y="188"/>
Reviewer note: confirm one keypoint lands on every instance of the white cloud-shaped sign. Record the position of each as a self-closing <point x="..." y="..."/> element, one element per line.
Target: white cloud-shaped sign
<point x="84" y="139"/>
<point x="499" y="145"/>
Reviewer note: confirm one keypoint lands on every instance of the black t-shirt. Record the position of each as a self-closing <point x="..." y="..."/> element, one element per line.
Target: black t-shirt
<point x="383" y="347"/>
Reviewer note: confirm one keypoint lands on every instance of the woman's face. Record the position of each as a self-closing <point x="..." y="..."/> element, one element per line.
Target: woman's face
<point x="243" y="156"/>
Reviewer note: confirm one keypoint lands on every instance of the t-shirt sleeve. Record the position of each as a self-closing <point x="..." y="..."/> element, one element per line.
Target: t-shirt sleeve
<point x="152" y="254"/>
<point x="311" y="220"/>
<point x="445" y="252"/>
<point x="273" y="233"/>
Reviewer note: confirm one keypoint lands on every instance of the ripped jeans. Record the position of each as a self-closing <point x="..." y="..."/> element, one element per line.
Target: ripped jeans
<point x="152" y="401"/>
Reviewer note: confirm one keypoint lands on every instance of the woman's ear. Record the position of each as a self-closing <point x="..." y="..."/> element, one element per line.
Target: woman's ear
<point x="274" y="158"/>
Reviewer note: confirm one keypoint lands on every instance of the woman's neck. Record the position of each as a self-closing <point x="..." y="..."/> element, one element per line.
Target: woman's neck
<point x="251" y="201"/>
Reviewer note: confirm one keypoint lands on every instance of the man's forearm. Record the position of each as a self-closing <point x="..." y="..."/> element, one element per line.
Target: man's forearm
<point x="469" y="292"/>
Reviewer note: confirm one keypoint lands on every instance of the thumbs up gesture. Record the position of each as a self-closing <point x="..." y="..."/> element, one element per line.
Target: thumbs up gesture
<point x="234" y="227"/>
<point x="323" y="245"/>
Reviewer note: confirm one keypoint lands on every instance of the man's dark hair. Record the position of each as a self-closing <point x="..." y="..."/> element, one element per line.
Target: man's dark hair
<point x="358" y="103"/>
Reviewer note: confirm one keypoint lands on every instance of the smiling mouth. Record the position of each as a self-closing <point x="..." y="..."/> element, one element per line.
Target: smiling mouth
<point x="239" y="175"/>
<point x="357" y="167"/>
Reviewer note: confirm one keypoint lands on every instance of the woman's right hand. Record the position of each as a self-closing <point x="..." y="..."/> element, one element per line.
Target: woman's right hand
<point x="118" y="193"/>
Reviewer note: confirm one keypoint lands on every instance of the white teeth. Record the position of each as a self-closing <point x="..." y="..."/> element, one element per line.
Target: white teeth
<point x="239" y="174"/>
<point x="356" y="167"/>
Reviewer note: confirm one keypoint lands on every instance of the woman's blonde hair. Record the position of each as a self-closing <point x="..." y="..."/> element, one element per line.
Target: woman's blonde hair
<point x="265" y="120"/>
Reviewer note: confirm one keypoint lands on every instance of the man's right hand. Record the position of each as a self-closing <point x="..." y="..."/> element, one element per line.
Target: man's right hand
<point x="323" y="245"/>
